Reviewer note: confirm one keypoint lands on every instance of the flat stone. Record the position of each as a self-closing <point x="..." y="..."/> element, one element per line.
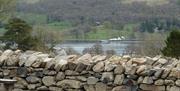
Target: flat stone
<point x="48" y="80"/>
<point x="139" y="60"/>
<point x="121" y="88"/>
<point x="162" y="61"/>
<point x="71" y="73"/>
<point x="92" y="80"/>
<point x="55" y="89"/>
<point x="98" y="58"/>
<point x="81" y="78"/>
<point x="158" y="73"/>
<point x="69" y="84"/>
<point x="43" y="88"/>
<point x="141" y="69"/>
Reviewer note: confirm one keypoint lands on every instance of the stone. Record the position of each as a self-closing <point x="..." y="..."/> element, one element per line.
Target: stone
<point x="99" y="67"/>
<point x="12" y="60"/>
<point x="72" y="66"/>
<point x="48" y="80"/>
<point x="100" y="87"/>
<point x="130" y="70"/>
<point x="50" y="63"/>
<point x="177" y="83"/>
<point x="174" y="88"/>
<point x="6" y="72"/>
<point x="119" y="70"/>
<point x="80" y="67"/>
<point x="121" y="88"/>
<point x="55" y="89"/>
<point x="162" y="61"/>
<point x="33" y="86"/>
<point x="85" y="59"/>
<point x="31" y="59"/>
<point x="140" y="79"/>
<point x="71" y="73"/>
<point x="43" y="88"/>
<point x="148" y="80"/>
<point x="60" y="61"/>
<point x="158" y="73"/>
<point x="69" y="84"/>
<point x="22" y="71"/>
<point x="146" y="87"/>
<point x="141" y="69"/>
<point x="165" y="73"/>
<point x="49" y="73"/>
<point x="17" y="89"/>
<point x="109" y="67"/>
<point x="175" y="73"/>
<point x="21" y="83"/>
<point x="60" y="76"/>
<point x="81" y="78"/>
<point x="33" y="79"/>
<point x="107" y="77"/>
<point x="89" y="88"/>
<point x="159" y="82"/>
<point x="98" y="58"/>
<point x="92" y="80"/>
<point x="119" y="79"/>
<point x="5" y="56"/>
<point x="139" y="61"/>
<point x="169" y="82"/>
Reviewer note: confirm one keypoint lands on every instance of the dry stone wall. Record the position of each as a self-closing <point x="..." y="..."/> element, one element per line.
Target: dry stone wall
<point x="35" y="71"/>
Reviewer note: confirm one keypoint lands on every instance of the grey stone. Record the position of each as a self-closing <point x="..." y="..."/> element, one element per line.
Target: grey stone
<point x="60" y="76"/>
<point x="81" y="78"/>
<point x="148" y="80"/>
<point x="107" y="77"/>
<point x="158" y="73"/>
<point x="55" y="89"/>
<point x="71" y="73"/>
<point x="33" y="79"/>
<point x="174" y="88"/>
<point x="92" y="80"/>
<point x="100" y="86"/>
<point x="177" y="83"/>
<point x="43" y="88"/>
<point x="119" y="70"/>
<point x="169" y="82"/>
<point x="119" y="79"/>
<point x="48" y="80"/>
<point x="80" y="67"/>
<point x="159" y="82"/>
<point x="69" y="84"/>
<point x="89" y="88"/>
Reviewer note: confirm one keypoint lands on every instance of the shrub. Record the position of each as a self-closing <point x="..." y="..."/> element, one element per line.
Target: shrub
<point x="172" y="48"/>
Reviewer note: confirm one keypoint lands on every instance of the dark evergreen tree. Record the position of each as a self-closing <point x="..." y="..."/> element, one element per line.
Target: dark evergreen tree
<point x="172" y="48"/>
<point x="19" y="32"/>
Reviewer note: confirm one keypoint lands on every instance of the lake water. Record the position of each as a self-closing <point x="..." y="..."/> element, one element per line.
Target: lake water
<point x="118" y="46"/>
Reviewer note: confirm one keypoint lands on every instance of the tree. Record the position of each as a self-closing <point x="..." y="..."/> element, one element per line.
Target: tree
<point x="172" y="48"/>
<point x="20" y="33"/>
